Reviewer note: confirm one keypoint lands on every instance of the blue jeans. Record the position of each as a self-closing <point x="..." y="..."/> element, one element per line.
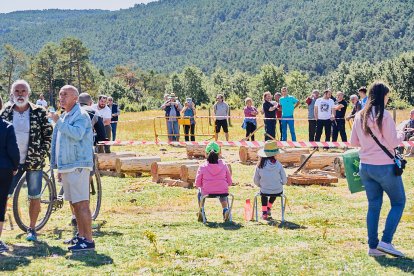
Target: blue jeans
<point x="173" y="131"/>
<point x="378" y="179"/>
<point x="33" y="179"/>
<point x="113" y="126"/>
<point x="270" y="128"/>
<point x="291" y="124"/>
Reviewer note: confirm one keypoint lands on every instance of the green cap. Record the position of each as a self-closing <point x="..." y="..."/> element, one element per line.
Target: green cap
<point x="212" y="146"/>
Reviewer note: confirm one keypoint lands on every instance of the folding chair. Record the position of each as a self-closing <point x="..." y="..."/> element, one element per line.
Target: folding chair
<point x="202" y="200"/>
<point x="282" y="203"/>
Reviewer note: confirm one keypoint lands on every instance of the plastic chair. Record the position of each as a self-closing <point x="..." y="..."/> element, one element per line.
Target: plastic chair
<point x="282" y="203"/>
<point x="202" y="201"/>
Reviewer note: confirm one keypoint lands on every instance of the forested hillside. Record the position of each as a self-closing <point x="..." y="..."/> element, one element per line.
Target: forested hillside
<point x="313" y="36"/>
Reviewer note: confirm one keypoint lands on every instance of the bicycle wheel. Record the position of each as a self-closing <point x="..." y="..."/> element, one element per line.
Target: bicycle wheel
<point x="95" y="194"/>
<point x="21" y="203"/>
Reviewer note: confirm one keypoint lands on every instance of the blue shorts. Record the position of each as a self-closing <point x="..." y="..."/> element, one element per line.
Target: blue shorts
<point x="33" y="179"/>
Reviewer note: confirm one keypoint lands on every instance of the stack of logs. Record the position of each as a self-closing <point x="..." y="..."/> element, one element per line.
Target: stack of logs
<point x="289" y="157"/>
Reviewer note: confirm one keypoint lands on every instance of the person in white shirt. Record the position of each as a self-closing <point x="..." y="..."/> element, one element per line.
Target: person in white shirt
<point x="105" y="112"/>
<point x="324" y="114"/>
<point x="41" y="101"/>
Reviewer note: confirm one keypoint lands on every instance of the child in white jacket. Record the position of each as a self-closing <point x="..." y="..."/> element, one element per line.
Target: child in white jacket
<point x="269" y="176"/>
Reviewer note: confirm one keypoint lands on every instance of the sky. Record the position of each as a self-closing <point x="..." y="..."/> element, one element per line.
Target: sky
<point x="20" y="5"/>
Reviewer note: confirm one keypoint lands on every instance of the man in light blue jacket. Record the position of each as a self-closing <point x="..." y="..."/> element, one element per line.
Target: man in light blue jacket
<point x="72" y="155"/>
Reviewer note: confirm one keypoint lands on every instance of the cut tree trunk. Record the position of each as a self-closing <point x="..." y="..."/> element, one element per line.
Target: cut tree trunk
<point x="135" y="164"/>
<point x="176" y="183"/>
<point x="319" y="161"/>
<point x="170" y="169"/>
<point x="106" y="161"/>
<point x="196" y="151"/>
<point x="288" y="157"/>
<point x="189" y="172"/>
<point x="311" y="179"/>
<point x="339" y="166"/>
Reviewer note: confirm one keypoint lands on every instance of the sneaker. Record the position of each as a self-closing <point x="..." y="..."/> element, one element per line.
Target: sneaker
<point x="265" y="216"/>
<point x="389" y="249"/>
<point x="373" y="252"/>
<point x="31" y="235"/>
<point x="73" y="240"/>
<point x="226" y="214"/>
<point x="82" y="245"/>
<point x="3" y="247"/>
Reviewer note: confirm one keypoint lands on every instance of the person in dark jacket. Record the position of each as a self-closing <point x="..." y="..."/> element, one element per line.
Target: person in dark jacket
<point x="9" y="162"/>
<point x="115" y="116"/>
<point x="85" y="102"/>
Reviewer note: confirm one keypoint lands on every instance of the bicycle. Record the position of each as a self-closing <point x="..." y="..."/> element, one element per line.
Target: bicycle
<point x="50" y="200"/>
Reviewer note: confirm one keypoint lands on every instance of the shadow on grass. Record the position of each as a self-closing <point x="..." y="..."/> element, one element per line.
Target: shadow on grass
<point x="20" y="255"/>
<point x="91" y="258"/>
<point x="106" y="233"/>
<point x="285" y="225"/>
<point x="404" y="264"/>
<point x="230" y="225"/>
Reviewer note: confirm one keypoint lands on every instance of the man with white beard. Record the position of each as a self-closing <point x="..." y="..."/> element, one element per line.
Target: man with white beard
<point x="33" y="135"/>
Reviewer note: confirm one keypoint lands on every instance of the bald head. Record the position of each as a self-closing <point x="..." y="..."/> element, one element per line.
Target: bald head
<point x="68" y="96"/>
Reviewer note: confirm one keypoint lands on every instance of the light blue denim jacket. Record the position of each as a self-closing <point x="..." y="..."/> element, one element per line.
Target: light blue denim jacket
<point x="76" y="141"/>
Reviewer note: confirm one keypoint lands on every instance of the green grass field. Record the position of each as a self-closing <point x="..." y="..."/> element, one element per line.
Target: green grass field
<point x="145" y="228"/>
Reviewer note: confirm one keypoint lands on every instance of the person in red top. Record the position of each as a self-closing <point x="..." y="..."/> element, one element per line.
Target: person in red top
<point x="279" y="111"/>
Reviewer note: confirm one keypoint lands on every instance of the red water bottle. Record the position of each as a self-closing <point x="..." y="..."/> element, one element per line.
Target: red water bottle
<point x="248" y="214"/>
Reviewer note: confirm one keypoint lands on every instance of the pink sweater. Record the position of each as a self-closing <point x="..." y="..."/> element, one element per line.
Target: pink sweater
<point x="370" y="153"/>
<point x="213" y="178"/>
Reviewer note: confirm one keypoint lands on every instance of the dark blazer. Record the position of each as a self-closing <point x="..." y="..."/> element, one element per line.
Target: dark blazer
<point x="9" y="151"/>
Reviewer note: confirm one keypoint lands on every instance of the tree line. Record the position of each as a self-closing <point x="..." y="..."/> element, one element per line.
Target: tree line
<point x="68" y="62"/>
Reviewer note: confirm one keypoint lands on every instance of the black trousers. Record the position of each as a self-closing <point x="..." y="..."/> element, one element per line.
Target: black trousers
<point x="312" y="130"/>
<point x="189" y="129"/>
<point x="6" y="177"/>
<point x="250" y="128"/>
<point x="320" y="125"/>
<point x="339" y="127"/>
<point x="270" y="128"/>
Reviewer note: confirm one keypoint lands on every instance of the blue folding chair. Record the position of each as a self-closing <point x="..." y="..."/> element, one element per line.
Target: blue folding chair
<point x="282" y="203"/>
<point x="202" y="200"/>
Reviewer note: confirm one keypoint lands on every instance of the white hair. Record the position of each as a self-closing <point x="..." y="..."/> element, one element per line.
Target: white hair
<point x="22" y="82"/>
<point x="353" y="96"/>
<point x="71" y="87"/>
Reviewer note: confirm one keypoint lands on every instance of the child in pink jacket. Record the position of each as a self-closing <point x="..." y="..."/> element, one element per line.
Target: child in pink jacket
<point x="214" y="178"/>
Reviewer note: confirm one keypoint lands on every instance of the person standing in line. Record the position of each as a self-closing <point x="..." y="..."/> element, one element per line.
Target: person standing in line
<point x="105" y="112"/>
<point x="377" y="169"/>
<point x="41" y="101"/>
<point x="339" y="123"/>
<point x="172" y="111"/>
<point x="324" y="114"/>
<point x="310" y="101"/>
<point x="189" y="112"/>
<point x="9" y="162"/>
<point x="288" y="103"/>
<point x="362" y="91"/>
<point x="279" y="111"/>
<point x="115" y="111"/>
<point x="72" y="156"/>
<point x="221" y="113"/>
<point x="356" y="106"/>
<point x="249" y="122"/>
<point x="33" y="135"/>
<point x="269" y="109"/>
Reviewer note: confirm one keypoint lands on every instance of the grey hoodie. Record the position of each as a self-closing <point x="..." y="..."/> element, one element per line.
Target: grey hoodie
<point x="271" y="178"/>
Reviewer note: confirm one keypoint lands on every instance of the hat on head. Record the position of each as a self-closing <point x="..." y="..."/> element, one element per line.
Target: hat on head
<point x="172" y="95"/>
<point x="212" y="146"/>
<point x="270" y="149"/>
<point x="84" y="98"/>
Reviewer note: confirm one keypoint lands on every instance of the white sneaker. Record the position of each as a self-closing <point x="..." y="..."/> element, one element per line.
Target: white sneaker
<point x="389" y="248"/>
<point x="375" y="252"/>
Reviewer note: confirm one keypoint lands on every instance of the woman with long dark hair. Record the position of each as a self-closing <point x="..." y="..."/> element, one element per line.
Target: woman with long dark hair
<point x="377" y="168"/>
<point x="9" y="161"/>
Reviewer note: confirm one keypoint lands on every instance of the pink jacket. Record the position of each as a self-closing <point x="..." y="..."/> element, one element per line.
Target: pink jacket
<point x="213" y="178"/>
<point x="370" y="153"/>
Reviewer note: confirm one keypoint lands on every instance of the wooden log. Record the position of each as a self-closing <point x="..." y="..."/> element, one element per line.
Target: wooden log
<point x="135" y="164"/>
<point x="188" y="172"/>
<point x="106" y="161"/>
<point x="339" y="166"/>
<point x="289" y="156"/>
<point x="170" y="169"/>
<point x="311" y="179"/>
<point x="319" y="161"/>
<point x="176" y="183"/>
<point x="196" y="151"/>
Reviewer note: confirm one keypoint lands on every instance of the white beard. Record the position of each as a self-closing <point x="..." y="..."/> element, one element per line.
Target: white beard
<point x="21" y="104"/>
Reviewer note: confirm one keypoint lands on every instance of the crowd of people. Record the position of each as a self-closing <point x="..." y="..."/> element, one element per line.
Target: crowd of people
<point x="29" y="135"/>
